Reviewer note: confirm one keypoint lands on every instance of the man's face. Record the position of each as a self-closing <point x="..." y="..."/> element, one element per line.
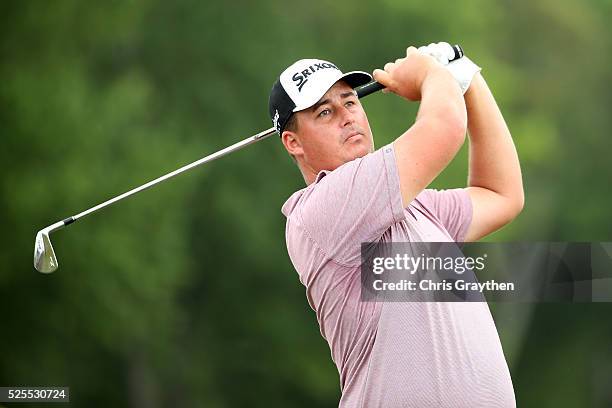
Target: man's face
<point x="332" y="132"/>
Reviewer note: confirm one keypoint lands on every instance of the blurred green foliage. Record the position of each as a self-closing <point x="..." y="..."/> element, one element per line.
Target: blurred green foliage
<point x="184" y="295"/>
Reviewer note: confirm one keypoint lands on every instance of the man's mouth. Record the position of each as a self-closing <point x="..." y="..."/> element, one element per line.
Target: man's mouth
<point x="352" y="136"/>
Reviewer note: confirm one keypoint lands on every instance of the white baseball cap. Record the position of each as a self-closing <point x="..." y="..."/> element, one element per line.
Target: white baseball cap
<point x="303" y="83"/>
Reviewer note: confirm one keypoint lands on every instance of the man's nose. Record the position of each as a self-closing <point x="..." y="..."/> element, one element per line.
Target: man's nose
<point x="347" y="117"/>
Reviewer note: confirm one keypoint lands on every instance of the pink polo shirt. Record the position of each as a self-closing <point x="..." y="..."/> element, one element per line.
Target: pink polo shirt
<point x="391" y="354"/>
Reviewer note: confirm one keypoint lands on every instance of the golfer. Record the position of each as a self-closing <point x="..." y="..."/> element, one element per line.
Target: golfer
<point x="397" y="354"/>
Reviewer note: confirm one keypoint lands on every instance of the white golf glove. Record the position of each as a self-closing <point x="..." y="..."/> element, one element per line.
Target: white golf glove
<point x="441" y="51"/>
<point x="462" y="69"/>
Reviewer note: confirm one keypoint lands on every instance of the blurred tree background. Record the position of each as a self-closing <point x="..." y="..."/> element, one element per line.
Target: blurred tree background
<point x="184" y="295"/>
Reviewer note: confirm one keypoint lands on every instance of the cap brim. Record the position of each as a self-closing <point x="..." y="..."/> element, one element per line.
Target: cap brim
<point x="353" y="79"/>
<point x="356" y="78"/>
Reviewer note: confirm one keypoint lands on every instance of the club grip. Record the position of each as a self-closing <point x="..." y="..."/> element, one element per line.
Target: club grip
<point x="369" y="89"/>
<point x="376" y="86"/>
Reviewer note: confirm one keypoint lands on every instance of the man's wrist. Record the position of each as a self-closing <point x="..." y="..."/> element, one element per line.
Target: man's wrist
<point x="438" y="75"/>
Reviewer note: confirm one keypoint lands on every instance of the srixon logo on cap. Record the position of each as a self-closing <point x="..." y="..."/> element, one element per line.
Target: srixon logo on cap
<point x="302" y="77"/>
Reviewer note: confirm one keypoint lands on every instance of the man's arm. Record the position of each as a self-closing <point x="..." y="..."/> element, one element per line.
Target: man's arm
<point x="495" y="181"/>
<point x="425" y="149"/>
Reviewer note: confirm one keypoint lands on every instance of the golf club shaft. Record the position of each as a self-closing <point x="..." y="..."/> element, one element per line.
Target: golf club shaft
<point x="236" y="146"/>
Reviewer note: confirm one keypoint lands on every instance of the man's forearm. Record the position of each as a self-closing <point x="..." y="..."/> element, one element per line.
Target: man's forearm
<point x="427" y="147"/>
<point x="441" y="100"/>
<point x="493" y="163"/>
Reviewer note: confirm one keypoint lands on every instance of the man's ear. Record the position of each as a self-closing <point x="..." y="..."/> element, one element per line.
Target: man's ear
<point x="292" y="143"/>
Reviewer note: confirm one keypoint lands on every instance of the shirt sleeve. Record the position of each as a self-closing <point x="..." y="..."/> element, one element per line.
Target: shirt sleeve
<point x="355" y="203"/>
<point x="452" y="207"/>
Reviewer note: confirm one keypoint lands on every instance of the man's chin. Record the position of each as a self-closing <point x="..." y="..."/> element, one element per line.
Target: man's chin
<point x="357" y="150"/>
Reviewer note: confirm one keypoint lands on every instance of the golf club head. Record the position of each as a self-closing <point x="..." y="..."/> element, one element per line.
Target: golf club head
<point x="44" y="255"/>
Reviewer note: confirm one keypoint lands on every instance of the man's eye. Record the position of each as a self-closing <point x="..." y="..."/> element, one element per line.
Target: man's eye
<point x="350" y="103"/>
<point x="324" y="112"/>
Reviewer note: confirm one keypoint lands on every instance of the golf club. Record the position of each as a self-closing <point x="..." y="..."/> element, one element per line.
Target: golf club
<point x="45" y="259"/>
<point x="44" y="255"/>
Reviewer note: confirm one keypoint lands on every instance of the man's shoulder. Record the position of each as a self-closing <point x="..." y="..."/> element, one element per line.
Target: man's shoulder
<point x="298" y="198"/>
<point x="292" y="202"/>
<point x="357" y="179"/>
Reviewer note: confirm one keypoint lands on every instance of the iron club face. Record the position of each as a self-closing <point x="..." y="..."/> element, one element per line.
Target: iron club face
<point x="44" y="256"/>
